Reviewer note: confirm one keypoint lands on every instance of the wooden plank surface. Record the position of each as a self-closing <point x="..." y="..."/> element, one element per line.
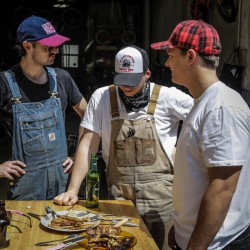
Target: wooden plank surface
<point x="29" y="236"/>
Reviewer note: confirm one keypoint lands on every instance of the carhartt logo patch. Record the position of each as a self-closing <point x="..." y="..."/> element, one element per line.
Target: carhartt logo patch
<point x="52" y="136"/>
<point x="149" y="151"/>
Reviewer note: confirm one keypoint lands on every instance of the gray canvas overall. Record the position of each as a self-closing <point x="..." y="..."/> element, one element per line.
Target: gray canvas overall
<point x="39" y="141"/>
<point x="139" y="168"/>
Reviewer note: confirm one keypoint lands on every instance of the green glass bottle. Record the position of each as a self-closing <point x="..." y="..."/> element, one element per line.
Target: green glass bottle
<point x="92" y="184"/>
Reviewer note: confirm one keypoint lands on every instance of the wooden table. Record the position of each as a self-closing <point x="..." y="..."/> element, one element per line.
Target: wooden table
<point x="29" y="236"/>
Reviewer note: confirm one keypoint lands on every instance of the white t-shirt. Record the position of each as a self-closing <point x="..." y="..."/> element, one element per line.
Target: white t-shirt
<point x="215" y="133"/>
<point x="173" y="105"/>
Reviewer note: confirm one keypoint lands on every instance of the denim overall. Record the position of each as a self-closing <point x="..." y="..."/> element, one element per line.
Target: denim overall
<point x="139" y="168"/>
<point x="39" y="141"/>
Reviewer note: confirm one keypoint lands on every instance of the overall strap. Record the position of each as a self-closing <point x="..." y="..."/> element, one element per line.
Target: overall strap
<point x="52" y="82"/>
<point x="11" y="80"/>
<point x="153" y="100"/>
<point x="113" y="101"/>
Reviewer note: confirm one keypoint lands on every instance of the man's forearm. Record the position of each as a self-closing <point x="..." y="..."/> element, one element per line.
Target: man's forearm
<point x="80" y="169"/>
<point x="75" y="182"/>
<point x="212" y="213"/>
<point x="214" y="205"/>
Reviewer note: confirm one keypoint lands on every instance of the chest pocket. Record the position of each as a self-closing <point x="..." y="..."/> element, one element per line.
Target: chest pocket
<point x="39" y="132"/>
<point x="135" y="151"/>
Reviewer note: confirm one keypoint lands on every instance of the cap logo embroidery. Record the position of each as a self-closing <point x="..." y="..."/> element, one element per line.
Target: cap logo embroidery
<point x="127" y="63"/>
<point x="48" y="28"/>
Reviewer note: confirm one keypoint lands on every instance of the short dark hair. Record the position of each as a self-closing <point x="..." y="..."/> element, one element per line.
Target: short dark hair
<point x="212" y="61"/>
<point x="21" y="51"/>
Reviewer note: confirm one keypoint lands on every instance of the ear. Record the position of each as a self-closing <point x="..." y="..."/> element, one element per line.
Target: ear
<point x="27" y="45"/>
<point x="191" y="55"/>
<point x="148" y="73"/>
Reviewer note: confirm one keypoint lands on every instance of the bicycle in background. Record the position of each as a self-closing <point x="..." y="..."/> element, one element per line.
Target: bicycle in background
<point x="200" y="8"/>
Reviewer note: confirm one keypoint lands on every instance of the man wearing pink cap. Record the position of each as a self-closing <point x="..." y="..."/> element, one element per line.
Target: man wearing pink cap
<point x="33" y="101"/>
<point x="211" y="186"/>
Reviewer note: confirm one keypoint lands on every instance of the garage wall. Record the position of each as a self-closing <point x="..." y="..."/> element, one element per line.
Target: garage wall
<point x="235" y="35"/>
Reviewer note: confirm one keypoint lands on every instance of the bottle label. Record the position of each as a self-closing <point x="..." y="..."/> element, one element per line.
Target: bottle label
<point x="8" y="233"/>
<point x="92" y="192"/>
<point x="96" y="193"/>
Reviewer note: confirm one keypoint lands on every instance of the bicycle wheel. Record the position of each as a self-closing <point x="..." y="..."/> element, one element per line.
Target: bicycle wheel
<point x="227" y="10"/>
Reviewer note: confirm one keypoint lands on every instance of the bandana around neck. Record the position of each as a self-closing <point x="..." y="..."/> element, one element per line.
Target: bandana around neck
<point x="138" y="101"/>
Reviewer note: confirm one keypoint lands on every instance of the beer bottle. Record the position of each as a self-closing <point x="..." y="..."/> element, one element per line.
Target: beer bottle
<point x="4" y="226"/>
<point x="92" y="184"/>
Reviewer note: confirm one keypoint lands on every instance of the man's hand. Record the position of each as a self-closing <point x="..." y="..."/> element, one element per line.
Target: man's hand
<point x="68" y="165"/>
<point x="68" y="198"/>
<point x="10" y="168"/>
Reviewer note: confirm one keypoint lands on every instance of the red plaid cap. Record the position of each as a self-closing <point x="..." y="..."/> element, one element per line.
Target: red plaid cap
<point x="192" y="34"/>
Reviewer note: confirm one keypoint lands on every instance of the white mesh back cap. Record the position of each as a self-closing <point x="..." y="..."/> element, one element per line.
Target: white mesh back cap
<point x="128" y="67"/>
